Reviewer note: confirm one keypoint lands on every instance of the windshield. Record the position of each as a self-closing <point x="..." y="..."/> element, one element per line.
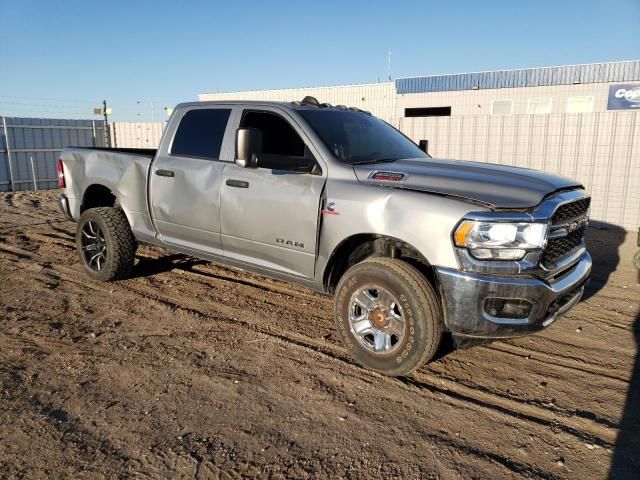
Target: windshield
<point x="357" y="137"/>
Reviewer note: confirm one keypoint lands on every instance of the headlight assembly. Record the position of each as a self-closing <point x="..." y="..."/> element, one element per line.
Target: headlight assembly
<point x="500" y="240"/>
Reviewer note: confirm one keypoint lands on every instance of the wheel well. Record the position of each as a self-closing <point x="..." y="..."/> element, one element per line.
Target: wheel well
<point x="97" y="196"/>
<point x="359" y="247"/>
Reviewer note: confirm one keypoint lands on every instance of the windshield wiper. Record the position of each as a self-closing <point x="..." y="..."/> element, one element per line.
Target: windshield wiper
<point x="374" y="160"/>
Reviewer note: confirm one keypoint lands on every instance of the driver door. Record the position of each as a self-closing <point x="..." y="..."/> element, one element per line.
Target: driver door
<point x="269" y="214"/>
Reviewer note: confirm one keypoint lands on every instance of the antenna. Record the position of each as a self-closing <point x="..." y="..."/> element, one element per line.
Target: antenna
<point x="389" y="53"/>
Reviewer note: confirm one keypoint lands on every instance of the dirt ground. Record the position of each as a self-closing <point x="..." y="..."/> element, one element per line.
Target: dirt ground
<point x="190" y="370"/>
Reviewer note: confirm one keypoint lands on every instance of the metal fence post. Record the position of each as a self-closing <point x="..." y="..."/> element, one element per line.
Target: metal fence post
<point x="113" y="135"/>
<point x="93" y="128"/>
<point x="8" y="149"/>
<point x="33" y="172"/>
<point x="107" y="139"/>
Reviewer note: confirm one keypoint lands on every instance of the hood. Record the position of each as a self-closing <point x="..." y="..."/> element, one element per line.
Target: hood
<point x="498" y="186"/>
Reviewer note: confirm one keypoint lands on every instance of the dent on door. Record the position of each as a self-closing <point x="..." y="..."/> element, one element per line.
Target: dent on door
<point x="186" y="205"/>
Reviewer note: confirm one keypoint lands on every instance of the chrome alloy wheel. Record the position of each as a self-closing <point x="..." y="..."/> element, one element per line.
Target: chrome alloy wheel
<point x="376" y="319"/>
<point x="94" y="246"/>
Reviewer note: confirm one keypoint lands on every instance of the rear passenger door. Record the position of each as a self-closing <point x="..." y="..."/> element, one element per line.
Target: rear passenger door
<point x="269" y="214"/>
<point x="185" y="178"/>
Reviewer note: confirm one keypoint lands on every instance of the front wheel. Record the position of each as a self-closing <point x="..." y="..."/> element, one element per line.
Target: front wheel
<point x="105" y="243"/>
<point x="388" y="316"/>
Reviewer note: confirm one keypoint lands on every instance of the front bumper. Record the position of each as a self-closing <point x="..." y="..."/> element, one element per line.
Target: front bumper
<point x="465" y="296"/>
<point x="63" y="205"/>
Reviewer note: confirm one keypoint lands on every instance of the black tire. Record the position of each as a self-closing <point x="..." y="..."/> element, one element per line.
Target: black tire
<point x="118" y="242"/>
<point x="422" y="315"/>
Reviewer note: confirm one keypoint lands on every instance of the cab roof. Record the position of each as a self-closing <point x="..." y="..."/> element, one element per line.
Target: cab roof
<point x="307" y="103"/>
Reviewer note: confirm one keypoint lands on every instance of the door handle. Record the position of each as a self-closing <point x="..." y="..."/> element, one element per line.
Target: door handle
<point x="165" y="173"/>
<point x="237" y="183"/>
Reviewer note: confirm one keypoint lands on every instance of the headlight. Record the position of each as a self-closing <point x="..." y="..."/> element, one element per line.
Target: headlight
<point x="499" y="240"/>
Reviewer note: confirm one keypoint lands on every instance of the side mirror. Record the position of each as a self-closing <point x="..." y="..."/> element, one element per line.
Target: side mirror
<point x="424" y="146"/>
<point x="248" y="147"/>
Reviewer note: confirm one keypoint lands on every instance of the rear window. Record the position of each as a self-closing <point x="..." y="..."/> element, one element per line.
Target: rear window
<point x="200" y="133"/>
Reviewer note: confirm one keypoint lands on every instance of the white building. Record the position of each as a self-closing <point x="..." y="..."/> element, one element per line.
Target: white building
<point x="581" y="121"/>
<point x="564" y="89"/>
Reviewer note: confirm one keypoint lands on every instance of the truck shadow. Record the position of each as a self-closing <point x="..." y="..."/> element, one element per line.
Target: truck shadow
<point x="146" y="267"/>
<point x="626" y="455"/>
<point x="603" y="242"/>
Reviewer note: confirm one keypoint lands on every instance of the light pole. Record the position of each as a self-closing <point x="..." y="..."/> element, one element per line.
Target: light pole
<point x="107" y="141"/>
<point x="105" y="112"/>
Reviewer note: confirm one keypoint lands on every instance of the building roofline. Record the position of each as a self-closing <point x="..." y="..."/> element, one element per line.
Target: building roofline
<point x="519" y="69"/>
<point x="302" y="88"/>
<point x="597" y="72"/>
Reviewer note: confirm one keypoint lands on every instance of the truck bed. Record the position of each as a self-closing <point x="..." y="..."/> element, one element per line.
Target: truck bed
<point x="123" y="171"/>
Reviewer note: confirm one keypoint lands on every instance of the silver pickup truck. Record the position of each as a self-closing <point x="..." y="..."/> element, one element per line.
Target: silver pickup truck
<point x="335" y="199"/>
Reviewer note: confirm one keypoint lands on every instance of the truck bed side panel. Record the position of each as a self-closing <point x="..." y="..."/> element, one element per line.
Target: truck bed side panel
<point x="124" y="174"/>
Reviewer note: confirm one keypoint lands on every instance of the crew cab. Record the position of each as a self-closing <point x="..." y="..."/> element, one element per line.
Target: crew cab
<point x="335" y="199"/>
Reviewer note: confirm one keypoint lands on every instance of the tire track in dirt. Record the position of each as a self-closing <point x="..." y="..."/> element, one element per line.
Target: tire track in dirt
<point x="289" y="295"/>
<point x="594" y="318"/>
<point x="18" y="228"/>
<point x="555" y="360"/>
<point x="51" y="239"/>
<point x="74" y="432"/>
<point x="547" y="406"/>
<point x="528" y="471"/>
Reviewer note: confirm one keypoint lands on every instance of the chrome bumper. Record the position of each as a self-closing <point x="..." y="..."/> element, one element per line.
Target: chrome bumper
<point x="63" y="205"/>
<point x="465" y="296"/>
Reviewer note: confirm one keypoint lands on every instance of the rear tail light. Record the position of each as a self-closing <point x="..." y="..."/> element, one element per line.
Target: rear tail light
<point x="61" y="182"/>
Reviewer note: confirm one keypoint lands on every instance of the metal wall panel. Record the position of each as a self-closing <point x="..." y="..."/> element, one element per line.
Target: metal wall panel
<point x="601" y="150"/>
<point x="136" y="135"/>
<point x="29" y="148"/>
<point x="545" y="76"/>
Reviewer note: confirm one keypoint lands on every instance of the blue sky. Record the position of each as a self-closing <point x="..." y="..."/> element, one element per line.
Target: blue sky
<point x="59" y="58"/>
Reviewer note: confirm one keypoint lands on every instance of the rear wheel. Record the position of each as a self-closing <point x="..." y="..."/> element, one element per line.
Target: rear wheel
<point x="388" y="316"/>
<point x="105" y="243"/>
